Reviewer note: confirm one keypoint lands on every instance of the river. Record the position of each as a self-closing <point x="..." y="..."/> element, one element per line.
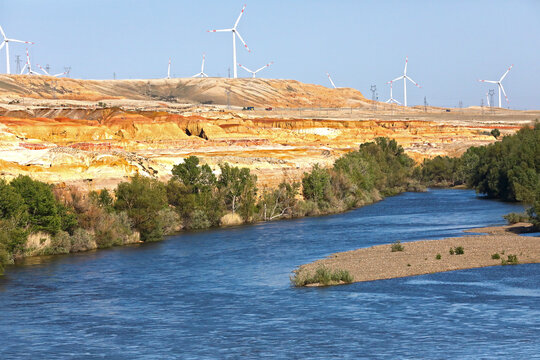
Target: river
<point x="225" y="294"/>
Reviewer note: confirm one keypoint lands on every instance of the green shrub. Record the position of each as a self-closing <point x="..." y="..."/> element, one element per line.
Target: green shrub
<point x="495" y="133"/>
<point x="438" y="257"/>
<point x="60" y="244"/>
<point x="396" y="246"/>
<point x="323" y="276"/>
<point x="451" y="251"/>
<point x="514" y="218"/>
<point x="512" y="260"/>
<point x="82" y="240"/>
<point x="459" y="250"/>
<point x="496" y="256"/>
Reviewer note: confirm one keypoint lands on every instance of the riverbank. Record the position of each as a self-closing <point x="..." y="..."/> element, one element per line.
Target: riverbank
<point x="496" y="247"/>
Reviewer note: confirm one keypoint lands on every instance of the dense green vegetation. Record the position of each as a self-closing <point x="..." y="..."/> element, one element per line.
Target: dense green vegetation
<point x="38" y="219"/>
<point x="508" y="170"/>
<point x="322" y="275"/>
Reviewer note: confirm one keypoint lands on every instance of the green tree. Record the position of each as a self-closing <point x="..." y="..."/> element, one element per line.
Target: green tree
<point x="316" y="186"/>
<point x="195" y="177"/>
<point x="142" y="198"/>
<point x="238" y="187"/>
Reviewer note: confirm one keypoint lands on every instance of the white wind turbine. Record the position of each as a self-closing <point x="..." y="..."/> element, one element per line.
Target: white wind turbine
<point x="235" y="33"/>
<point x="5" y="43"/>
<point x="28" y="67"/>
<point x="329" y="78"/>
<point x="499" y="84"/>
<point x="46" y="73"/>
<point x="405" y="78"/>
<point x="256" y="71"/>
<point x="202" y="74"/>
<point x="487" y="98"/>
<point x="169" y="69"/>
<point x="392" y="100"/>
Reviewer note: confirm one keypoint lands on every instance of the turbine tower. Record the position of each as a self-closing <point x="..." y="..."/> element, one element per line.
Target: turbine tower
<point x="487" y="98"/>
<point x="392" y="100"/>
<point x="47" y="73"/>
<point x="331" y="82"/>
<point x="169" y="69"/>
<point x="5" y="43"/>
<point x="256" y="71"/>
<point x="499" y="84"/>
<point x="235" y="33"/>
<point x="405" y="78"/>
<point x="201" y="74"/>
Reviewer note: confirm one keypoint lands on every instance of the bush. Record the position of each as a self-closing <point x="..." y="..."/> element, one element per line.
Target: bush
<point x="82" y="240"/>
<point x="112" y="229"/>
<point x="495" y="133"/>
<point x="396" y="246"/>
<point x="60" y="244"/>
<point x="496" y="256"/>
<point x="514" y="218"/>
<point x="512" y="260"/>
<point x="323" y="276"/>
<point x="459" y="250"/>
<point x="438" y="257"/>
<point x="198" y="220"/>
<point x="451" y="251"/>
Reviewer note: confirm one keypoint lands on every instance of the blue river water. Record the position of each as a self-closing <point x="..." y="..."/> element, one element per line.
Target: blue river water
<point x="225" y="294"/>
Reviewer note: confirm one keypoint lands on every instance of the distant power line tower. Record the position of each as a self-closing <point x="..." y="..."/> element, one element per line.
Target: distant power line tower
<point x="373" y="90"/>
<point x="114" y="75"/>
<point x="67" y="69"/>
<point x="491" y="93"/>
<point x="19" y="62"/>
<point x="47" y="67"/>
<point x="425" y="104"/>
<point x="229" y="73"/>
<point x="460" y="105"/>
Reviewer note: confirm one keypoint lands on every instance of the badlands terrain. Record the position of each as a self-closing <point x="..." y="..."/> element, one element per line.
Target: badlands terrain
<point x="95" y="133"/>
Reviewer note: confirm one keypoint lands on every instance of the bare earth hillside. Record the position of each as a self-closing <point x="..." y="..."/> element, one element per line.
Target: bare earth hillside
<point x="93" y="134"/>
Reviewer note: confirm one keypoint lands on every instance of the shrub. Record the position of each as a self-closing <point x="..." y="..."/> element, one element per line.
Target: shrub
<point x="82" y="240"/>
<point x="451" y="251"/>
<point x="438" y="257"/>
<point x="496" y="256"/>
<point x="514" y="218"/>
<point x="396" y="246"/>
<point x="495" y="133"/>
<point x="323" y="276"/>
<point x="459" y="250"/>
<point x="112" y="229"/>
<point x="512" y="260"/>
<point x="60" y="244"/>
<point x="170" y="221"/>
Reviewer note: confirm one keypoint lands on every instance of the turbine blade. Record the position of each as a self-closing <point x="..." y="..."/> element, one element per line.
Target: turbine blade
<point x="414" y="82"/>
<point x="262" y="67"/>
<point x="245" y="68"/>
<point x="64" y="73"/>
<point x="3" y="33"/>
<point x="506" y="73"/>
<point x="42" y="69"/>
<point x="489" y="81"/>
<point x="239" y="16"/>
<point x="502" y="88"/>
<point x="242" y="40"/>
<point x="398" y="78"/>
<point x="20" y="41"/>
<point x="3" y="43"/>
<point x="406" y="62"/>
<point x="221" y="30"/>
<point x="24" y="68"/>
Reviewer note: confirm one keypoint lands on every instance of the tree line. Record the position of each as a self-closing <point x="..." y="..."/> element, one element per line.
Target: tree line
<point x="145" y="209"/>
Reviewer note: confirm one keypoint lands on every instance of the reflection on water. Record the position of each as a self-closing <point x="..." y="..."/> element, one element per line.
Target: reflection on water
<point x="226" y="294"/>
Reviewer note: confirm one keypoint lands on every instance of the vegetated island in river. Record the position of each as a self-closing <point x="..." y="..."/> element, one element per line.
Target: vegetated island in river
<point x="499" y="246"/>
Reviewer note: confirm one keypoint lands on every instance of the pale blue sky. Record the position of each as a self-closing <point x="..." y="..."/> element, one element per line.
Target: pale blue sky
<point x="450" y="43"/>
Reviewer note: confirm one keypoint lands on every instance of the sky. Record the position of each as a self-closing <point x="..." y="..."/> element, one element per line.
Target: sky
<point x="450" y="43"/>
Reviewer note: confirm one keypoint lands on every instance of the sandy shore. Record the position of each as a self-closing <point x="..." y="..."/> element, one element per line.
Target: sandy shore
<point x="420" y="257"/>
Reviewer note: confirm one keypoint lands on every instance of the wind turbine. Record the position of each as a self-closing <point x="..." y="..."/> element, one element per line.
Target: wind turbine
<point x="169" y="69"/>
<point x="405" y="78"/>
<point x="487" y="98"/>
<point x="329" y="78"/>
<point x="392" y="100"/>
<point x="6" y="42"/>
<point x="202" y="74"/>
<point x="46" y="73"/>
<point x="256" y="71"/>
<point x="235" y="33"/>
<point x="28" y="67"/>
<point x="499" y="84"/>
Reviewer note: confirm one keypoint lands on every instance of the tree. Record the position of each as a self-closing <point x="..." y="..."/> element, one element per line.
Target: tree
<point x="142" y="198"/>
<point x="238" y="187"/>
<point x="197" y="178"/>
<point x="278" y="202"/>
<point x="495" y="133"/>
<point x="316" y="185"/>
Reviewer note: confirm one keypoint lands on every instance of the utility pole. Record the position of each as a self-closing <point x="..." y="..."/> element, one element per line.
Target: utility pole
<point x="18" y="61"/>
<point x="425" y="104"/>
<point x="373" y="89"/>
<point x="229" y="73"/>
